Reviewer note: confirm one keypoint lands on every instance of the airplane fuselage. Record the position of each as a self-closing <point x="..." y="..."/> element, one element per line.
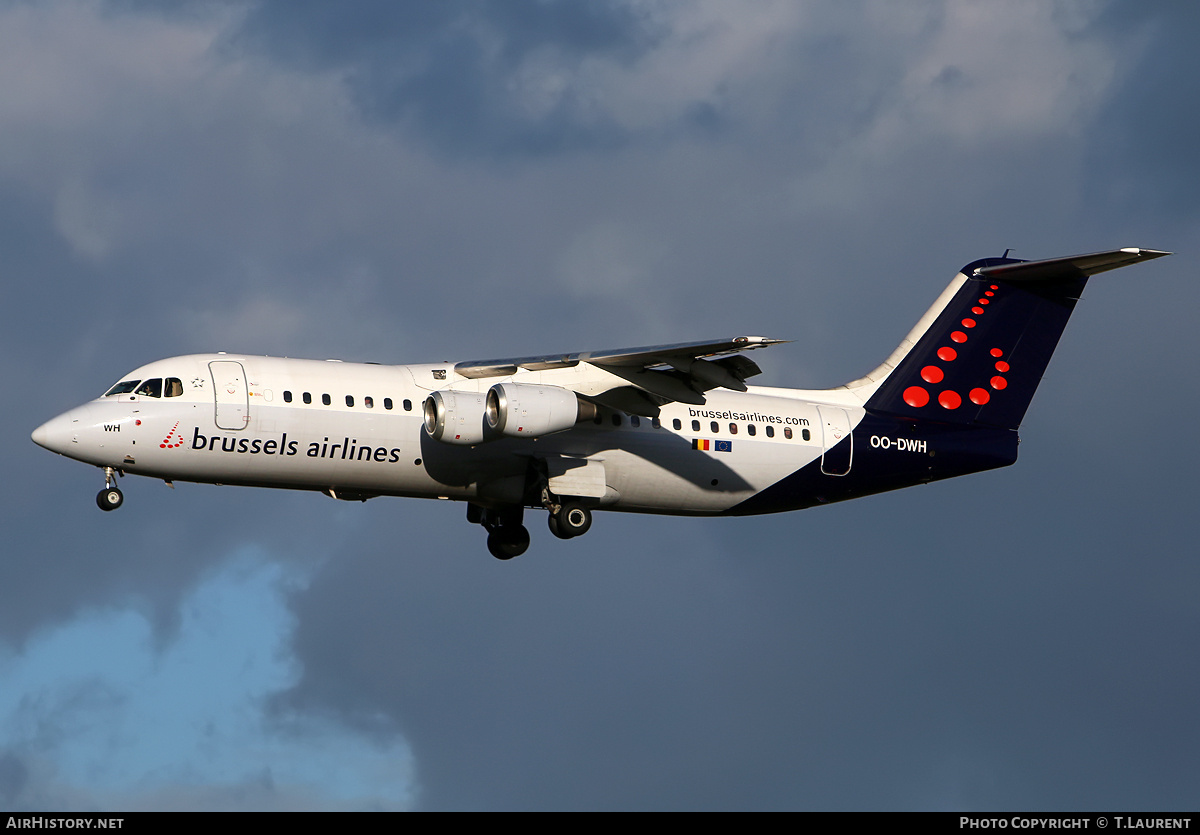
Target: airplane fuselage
<point x="357" y="430"/>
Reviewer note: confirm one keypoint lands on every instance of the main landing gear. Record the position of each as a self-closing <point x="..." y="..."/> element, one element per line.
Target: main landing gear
<point x="110" y="498"/>
<point x="507" y="537"/>
<point x="569" y="519"/>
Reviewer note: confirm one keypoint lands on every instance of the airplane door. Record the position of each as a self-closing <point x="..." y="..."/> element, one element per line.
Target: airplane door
<point x="837" y="439"/>
<point x="231" y="393"/>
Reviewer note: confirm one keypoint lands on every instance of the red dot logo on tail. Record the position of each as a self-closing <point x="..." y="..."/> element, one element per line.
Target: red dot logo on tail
<point x="950" y="399"/>
<point x="918" y="396"/>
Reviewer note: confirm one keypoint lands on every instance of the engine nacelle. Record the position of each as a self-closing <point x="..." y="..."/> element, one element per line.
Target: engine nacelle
<point x="519" y="410"/>
<point x="456" y="417"/>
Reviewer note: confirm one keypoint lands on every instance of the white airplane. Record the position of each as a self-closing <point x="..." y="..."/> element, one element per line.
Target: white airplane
<point x="668" y="429"/>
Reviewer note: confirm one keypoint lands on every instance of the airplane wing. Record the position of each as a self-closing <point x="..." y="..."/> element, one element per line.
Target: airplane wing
<point x="655" y="374"/>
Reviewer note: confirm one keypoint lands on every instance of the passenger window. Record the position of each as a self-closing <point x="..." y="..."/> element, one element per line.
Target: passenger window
<point x="407" y="405"/>
<point x="805" y="434"/>
<point x="151" y="388"/>
<point x="369" y="402"/>
<point x="635" y="421"/>
<point x="715" y="427"/>
<point x="677" y="423"/>
<point x="656" y="423"/>
<point x="174" y="387"/>
<point x="750" y="430"/>
<point x="733" y="429"/>
<point x="325" y="398"/>
<point x="770" y="431"/>
<point x="387" y="403"/>
<point x="787" y="432"/>
<point x="123" y="388"/>
<point x="307" y="397"/>
<point x="616" y="419"/>
<point x="695" y="426"/>
<point x="350" y="400"/>
<point x="287" y="397"/>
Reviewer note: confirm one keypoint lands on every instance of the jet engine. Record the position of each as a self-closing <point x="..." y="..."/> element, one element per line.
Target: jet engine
<point x="519" y="410"/>
<point x="456" y="417"/>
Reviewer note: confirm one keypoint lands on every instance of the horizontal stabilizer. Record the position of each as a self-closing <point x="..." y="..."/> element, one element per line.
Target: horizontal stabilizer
<point x="1075" y="266"/>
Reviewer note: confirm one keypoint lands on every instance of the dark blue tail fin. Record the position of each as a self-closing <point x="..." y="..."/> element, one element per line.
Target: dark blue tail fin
<point x="982" y="356"/>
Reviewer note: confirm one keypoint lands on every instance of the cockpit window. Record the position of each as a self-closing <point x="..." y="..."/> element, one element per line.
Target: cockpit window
<point x="123" y="388"/>
<point x="151" y="388"/>
<point x="173" y="388"/>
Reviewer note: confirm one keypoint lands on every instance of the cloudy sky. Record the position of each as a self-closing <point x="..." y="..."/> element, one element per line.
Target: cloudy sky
<point x="415" y="182"/>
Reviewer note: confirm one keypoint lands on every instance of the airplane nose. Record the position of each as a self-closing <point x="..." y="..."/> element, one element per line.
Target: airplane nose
<point x="41" y="435"/>
<point x="54" y="434"/>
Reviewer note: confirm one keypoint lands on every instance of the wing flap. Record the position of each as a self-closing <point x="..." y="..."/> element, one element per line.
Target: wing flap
<point x="569" y="476"/>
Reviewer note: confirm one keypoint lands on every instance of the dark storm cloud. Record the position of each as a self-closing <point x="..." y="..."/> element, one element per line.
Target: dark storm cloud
<point x="1146" y="137"/>
<point x="457" y="68"/>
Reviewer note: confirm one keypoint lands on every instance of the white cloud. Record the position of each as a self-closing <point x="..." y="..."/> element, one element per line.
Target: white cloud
<point x="99" y="715"/>
<point x="992" y="73"/>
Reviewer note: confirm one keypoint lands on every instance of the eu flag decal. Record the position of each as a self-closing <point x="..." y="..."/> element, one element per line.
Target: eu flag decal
<point x="723" y="446"/>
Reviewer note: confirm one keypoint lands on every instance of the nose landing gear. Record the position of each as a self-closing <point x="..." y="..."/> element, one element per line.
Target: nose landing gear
<point x="110" y="498"/>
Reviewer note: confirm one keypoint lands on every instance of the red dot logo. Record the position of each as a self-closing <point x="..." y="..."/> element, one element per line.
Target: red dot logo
<point x="979" y="396"/>
<point x="932" y="374"/>
<point x="959" y="337"/>
<point x="994" y="287"/>
<point x="996" y="352"/>
<point x="916" y="396"/>
<point x="949" y="399"/>
<point x="999" y="383"/>
<point x="985" y="301"/>
<point x="978" y="311"/>
<point x="968" y="323"/>
<point x="1002" y="366"/>
<point x="167" y="441"/>
<point x="946" y="354"/>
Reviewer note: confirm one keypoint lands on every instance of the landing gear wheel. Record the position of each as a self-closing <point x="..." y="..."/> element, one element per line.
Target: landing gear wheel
<point x="552" y="521"/>
<point x="573" y="519"/>
<point x="110" y="498"/>
<point x="507" y="542"/>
